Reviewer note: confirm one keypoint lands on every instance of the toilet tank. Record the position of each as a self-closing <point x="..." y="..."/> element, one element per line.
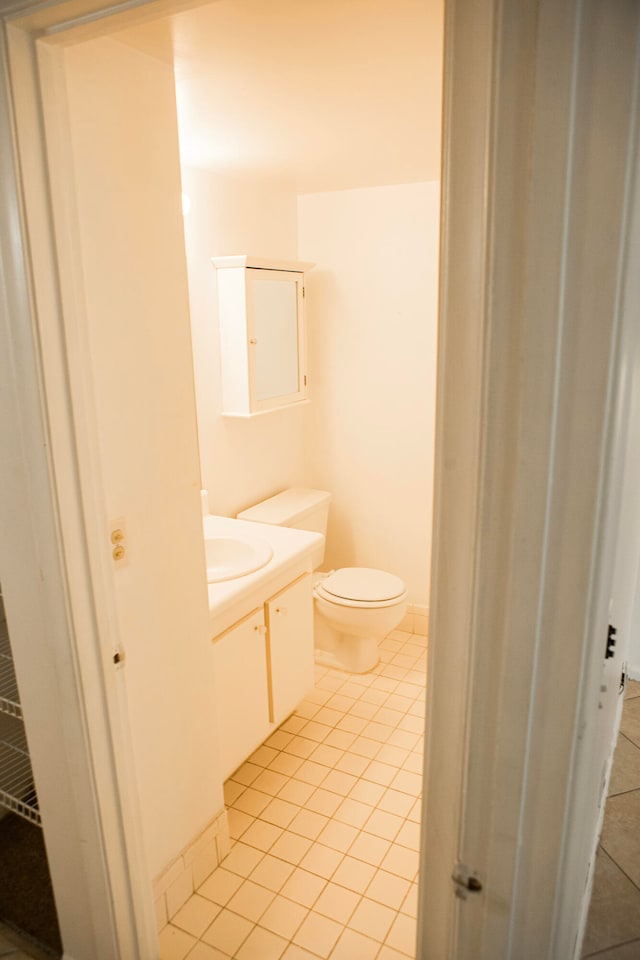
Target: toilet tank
<point x="297" y="507"/>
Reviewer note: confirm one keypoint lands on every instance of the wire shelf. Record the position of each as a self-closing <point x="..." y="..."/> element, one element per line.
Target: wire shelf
<point x="9" y="696"/>
<point x="17" y="792"/>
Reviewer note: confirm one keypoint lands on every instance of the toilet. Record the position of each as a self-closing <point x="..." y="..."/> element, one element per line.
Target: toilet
<point x="354" y="607"/>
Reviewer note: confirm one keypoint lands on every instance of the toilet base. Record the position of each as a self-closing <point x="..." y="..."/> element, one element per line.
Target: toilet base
<point x="346" y="652"/>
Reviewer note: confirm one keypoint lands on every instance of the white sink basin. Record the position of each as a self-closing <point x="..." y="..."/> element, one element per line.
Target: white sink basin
<point x="228" y="557"/>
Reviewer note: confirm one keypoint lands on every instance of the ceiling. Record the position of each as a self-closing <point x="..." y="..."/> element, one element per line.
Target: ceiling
<point x="323" y="94"/>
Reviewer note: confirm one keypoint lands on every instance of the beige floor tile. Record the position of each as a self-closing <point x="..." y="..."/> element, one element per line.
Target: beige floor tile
<point x="262" y="835"/>
<point x="232" y="791"/>
<point x="246" y="774"/>
<point x="196" y="915"/>
<point x="300" y="747"/>
<point x="318" y="934"/>
<point x="355" y="946"/>
<point x="328" y="716"/>
<point x="321" y="860"/>
<point x="394" y="801"/>
<point x="272" y="873"/>
<point x="351" y="724"/>
<point x="614" y="913"/>
<point x="242" y="859"/>
<point x="373" y="919"/>
<point x="364" y="746"/>
<point x="369" y="848"/>
<point x="238" y="822"/>
<point x="410" y="905"/>
<point x="220" y="886"/>
<point x="290" y="847"/>
<point x="388" y="953"/>
<point x="227" y="932"/>
<point x="367" y="792"/>
<point x="633" y="689"/>
<point x="378" y="731"/>
<point x="405" y="739"/>
<point x="174" y="944"/>
<point x="341" y="739"/>
<point x="630" y="724"/>
<point x="353" y="812"/>
<point x="402" y="862"/>
<point x="252" y="802"/>
<point x="402" y="935"/>
<point x="202" y="951"/>
<point x="315" y="731"/>
<point x="363" y="710"/>
<point x="336" y="902"/>
<point x="337" y="835"/>
<point x="293" y="725"/>
<point x="311" y="772"/>
<point x="409" y="835"/>
<point x="303" y="887"/>
<point x="382" y="773"/>
<point x="407" y="783"/>
<point x="414" y="763"/>
<point x="306" y="823"/>
<point x="279" y="740"/>
<point x="286" y="764"/>
<point x="389" y="889"/>
<point x="324" y="802"/>
<point x="352" y="763"/>
<point x="625" y="774"/>
<point x="339" y="782"/>
<point x="307" y="709"/>
<point x="296" y="791"/>
<point x="415" y="814"/>
<point x="280" y="812"/>
<point x="621" y="832"/>
<point x="269" y="782"/>
<point x="263" y="756"/>
<point x="383" y="824"/>
<point x="250" y="901"/>
<point x="283" y="917"/>
<point x="262" y="945"/>
<point x="396" y="756"/>
<point x="354" y="874"/>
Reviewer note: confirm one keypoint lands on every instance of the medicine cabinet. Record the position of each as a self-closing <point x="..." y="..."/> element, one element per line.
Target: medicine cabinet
<point x="262" y="333"/>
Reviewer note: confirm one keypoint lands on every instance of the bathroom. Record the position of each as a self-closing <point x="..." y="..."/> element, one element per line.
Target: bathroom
<point x="367" y="434"/>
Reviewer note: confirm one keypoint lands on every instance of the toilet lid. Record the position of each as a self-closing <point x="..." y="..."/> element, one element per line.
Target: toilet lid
<point x="363" y="584"/>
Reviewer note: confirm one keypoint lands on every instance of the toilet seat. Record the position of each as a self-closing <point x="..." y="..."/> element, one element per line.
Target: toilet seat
<point x="361" y="587"/>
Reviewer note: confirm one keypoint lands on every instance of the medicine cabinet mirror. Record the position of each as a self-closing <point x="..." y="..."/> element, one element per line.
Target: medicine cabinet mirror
<point x="262" y="333"/>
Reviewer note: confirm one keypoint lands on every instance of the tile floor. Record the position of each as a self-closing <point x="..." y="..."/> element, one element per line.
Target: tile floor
<point x="325" y="822"/>
<point x="11" y="947"/>
<point x="613" y="927"/>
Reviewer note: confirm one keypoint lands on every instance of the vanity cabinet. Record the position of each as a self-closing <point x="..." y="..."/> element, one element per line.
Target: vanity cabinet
<point x="262" y="334"/>
<point x="263" y="669"/>
<point x="289" y="616"/>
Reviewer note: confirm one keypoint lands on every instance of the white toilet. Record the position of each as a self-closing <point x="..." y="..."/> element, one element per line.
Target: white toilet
<point x="354" y="607"/>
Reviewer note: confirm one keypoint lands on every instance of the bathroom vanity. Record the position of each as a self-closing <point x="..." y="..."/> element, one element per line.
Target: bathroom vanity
<point x="262" y="636"/>
<point x="262" y="334"/>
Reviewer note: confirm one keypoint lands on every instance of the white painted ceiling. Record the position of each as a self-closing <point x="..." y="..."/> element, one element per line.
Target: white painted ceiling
<point x="324" y="94"/>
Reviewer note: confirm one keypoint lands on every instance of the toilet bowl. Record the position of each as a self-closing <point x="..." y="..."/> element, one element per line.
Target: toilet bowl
<point x="354" y="607"/>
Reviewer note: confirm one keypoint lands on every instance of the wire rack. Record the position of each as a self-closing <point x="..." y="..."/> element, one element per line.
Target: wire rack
<point x="17" y="792"/>
<point x="9" y="696"/>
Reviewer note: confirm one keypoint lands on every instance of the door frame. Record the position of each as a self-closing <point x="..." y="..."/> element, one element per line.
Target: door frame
<point x="490" y="64"/>
<point x="531" y="349"/>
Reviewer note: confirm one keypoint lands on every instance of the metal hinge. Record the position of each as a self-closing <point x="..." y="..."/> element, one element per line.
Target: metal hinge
<point x="611" y="643"/>
<point x="466" y="881"/>
<point x="305" y="379"/>
<point x="624" y="676"/>
<point x="303" y="291"/>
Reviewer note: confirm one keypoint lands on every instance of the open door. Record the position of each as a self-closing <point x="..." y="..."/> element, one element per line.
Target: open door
<point x="538" y="172"/>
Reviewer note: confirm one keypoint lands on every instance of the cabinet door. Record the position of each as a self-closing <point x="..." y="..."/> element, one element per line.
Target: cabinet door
<point x="276" y="338"/>
<point x="290" y="647"/>
<point x="241" y="690"/>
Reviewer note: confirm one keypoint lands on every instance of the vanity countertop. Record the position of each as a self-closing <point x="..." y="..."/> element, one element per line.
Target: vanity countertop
<point x="292" y="551"/>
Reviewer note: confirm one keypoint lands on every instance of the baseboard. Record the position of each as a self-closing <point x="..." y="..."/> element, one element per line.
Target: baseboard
<point x="178" y="881"/>
<point x="416" y="620"/>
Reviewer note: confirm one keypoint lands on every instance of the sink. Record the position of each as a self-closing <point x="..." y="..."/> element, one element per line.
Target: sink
<point x="229" y="557"/>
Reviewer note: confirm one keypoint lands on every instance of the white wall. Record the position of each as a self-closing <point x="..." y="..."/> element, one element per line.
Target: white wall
<point x="242" y="461"/>
<point x="127" y="184"/>
<point x="372" y="310"/>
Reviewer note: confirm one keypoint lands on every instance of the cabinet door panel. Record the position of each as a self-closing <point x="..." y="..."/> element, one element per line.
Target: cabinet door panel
<point x="241" y="690"/>
<point x="290" y="647"/>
